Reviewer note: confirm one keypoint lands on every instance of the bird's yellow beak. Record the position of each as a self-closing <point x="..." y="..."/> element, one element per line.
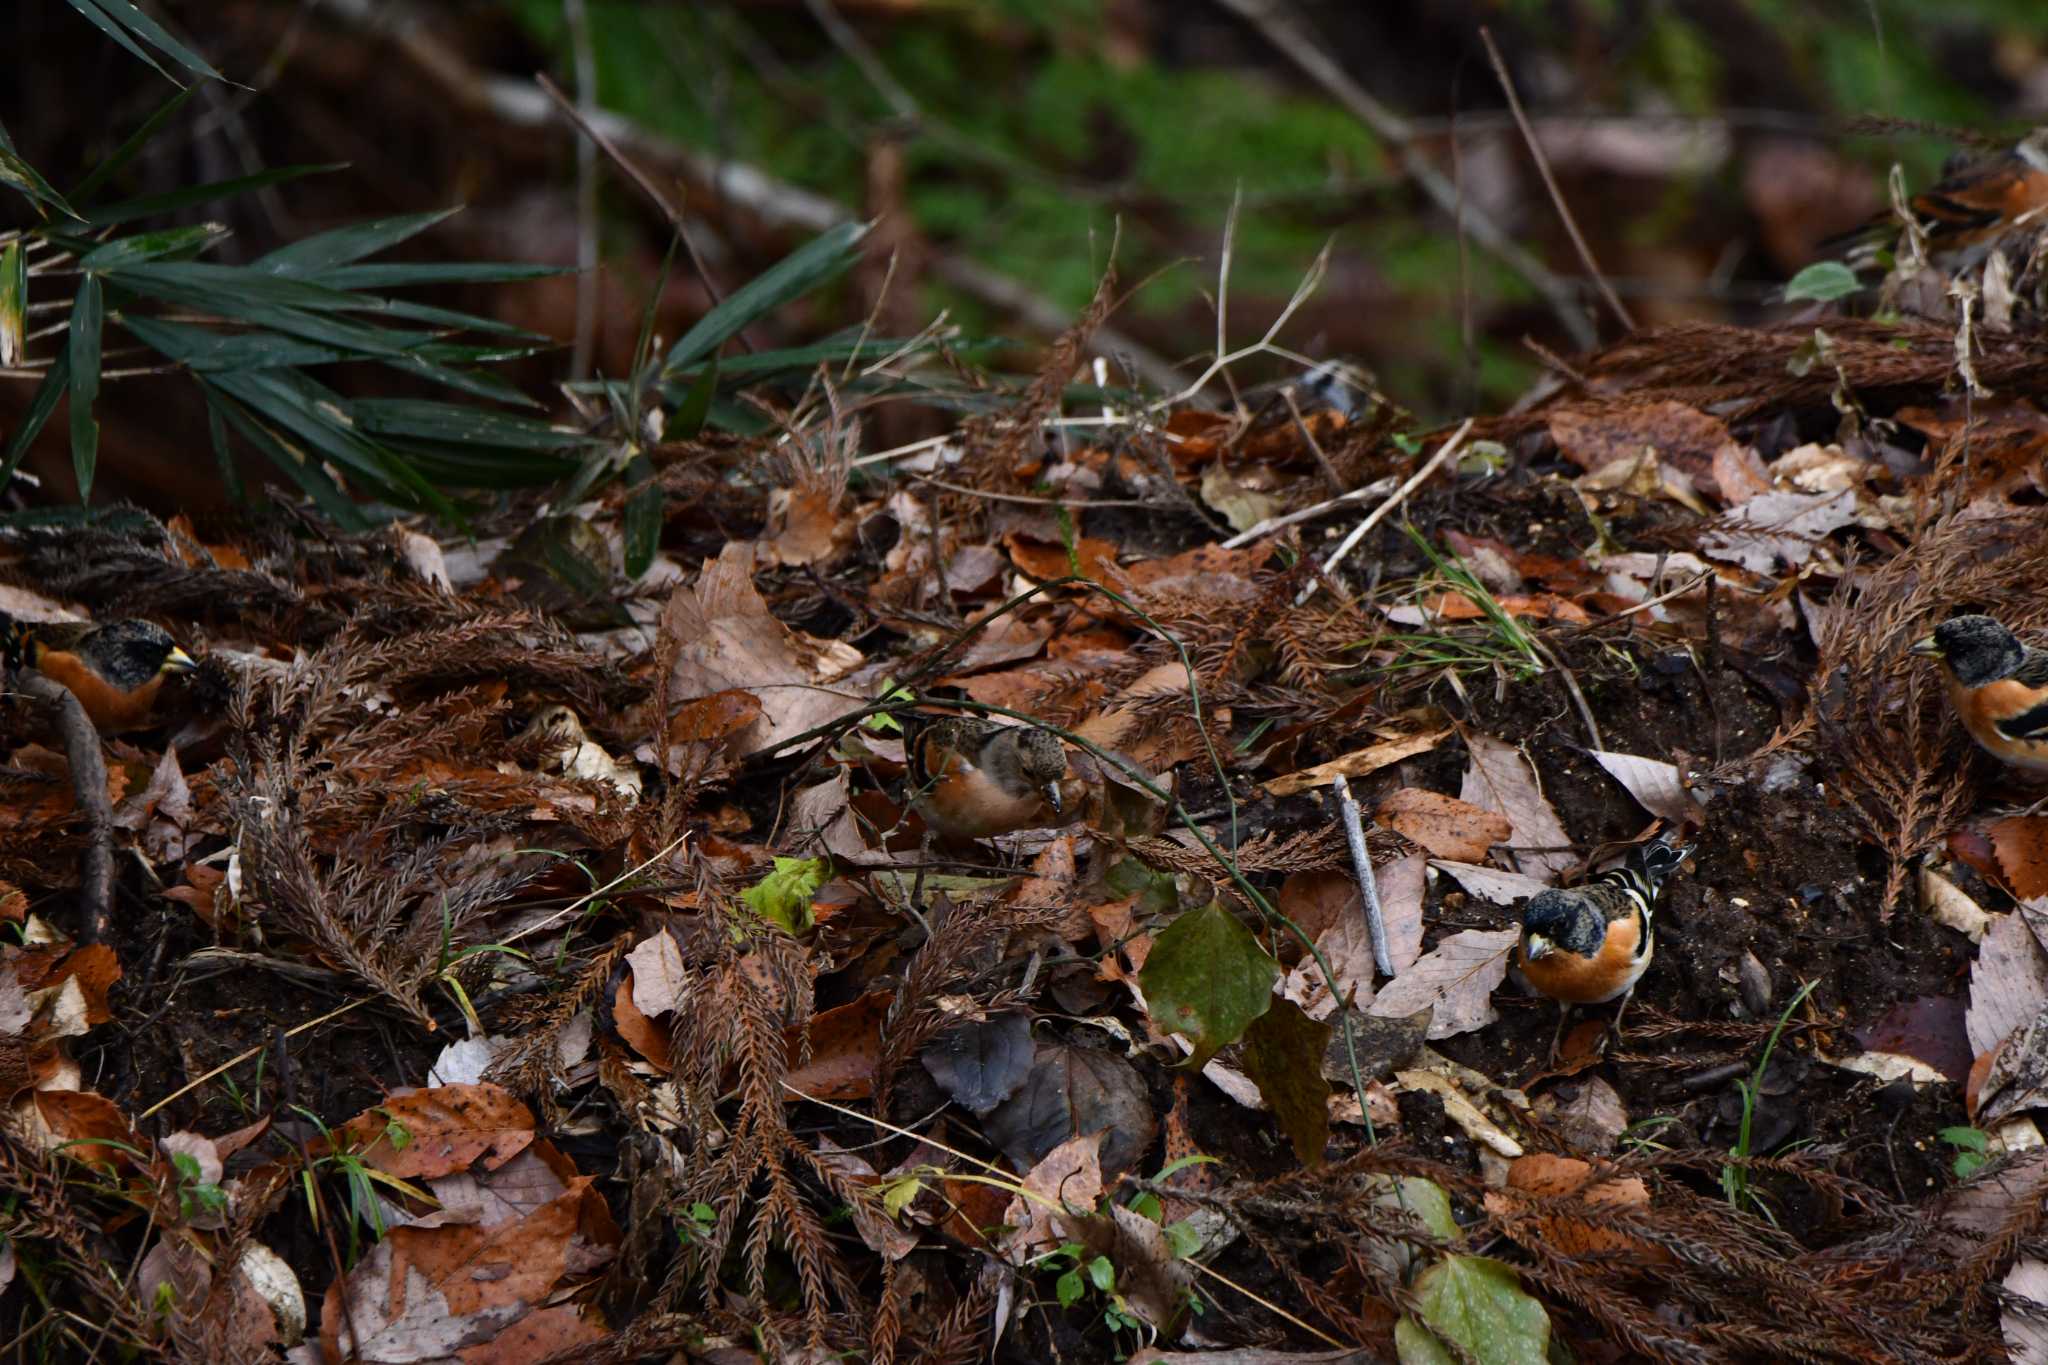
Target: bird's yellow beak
<point x="1925" y="648"/>
<point x="178" y="661"/>
<point x="1535" y="947"/>
<point x="1054" y="799"/>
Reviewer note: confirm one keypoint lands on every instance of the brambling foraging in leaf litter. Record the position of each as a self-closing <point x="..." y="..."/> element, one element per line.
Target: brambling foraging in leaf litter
<point x="973" y="780"/>
<point x="1592" y="943"/>
<point x="1977" y="204"/>
<point x="115" y="669"/>
<point x="1998" y="686"/>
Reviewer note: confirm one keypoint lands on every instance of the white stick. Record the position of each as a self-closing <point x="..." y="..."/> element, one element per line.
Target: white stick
<point x="1272" y="524"/>
<point x="1368" y="885"/>
<point x="1400" y="496"/>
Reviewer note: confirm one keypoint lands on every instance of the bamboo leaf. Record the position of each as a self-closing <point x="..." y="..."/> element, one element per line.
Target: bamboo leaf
<point x="13" y="304"/>
<point x="150" y="246"/>
<point x="202" y="349"/>
<point x="56" y="380"/>
<point x="346" y="245"/>
<point x="643" y="517"/>
<point x="23" y="177"/>
<point x="217" y="428"/>
<point x="87" y="315"/>
<point x="696" y="405"/>
<point x="461" y="424"/>
<point x="155" y="205"/>
<point x="810" y="265"/>
<point x="119" y="18"/>
<point x="137" y="140"/>
<point x="293" y="463"/>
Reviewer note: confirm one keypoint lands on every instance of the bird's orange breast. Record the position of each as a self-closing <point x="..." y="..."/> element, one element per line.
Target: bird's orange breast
<point x="112" y="710"/>
<point x="963" y="802"/>
<point x="1981" y="709"/>
<point x="1578" y="980"/>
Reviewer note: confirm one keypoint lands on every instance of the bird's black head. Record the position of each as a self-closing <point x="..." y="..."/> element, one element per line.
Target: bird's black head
<point x="130" y="653"/>
<point x="1976" y="649"/>
<point x="1561" y="919"/>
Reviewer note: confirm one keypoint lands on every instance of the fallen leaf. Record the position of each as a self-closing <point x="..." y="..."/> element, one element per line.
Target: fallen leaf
<point x="1490" y="883"/>
<point x="1548" y="1176"/>
<point x="1455" y="981"/>
<point x="2008" y="982"/>
<point x="1357" y="763"/>
<point x="1459" y="1108"/>
<point x="1684" y="438"/>
<point x="1283" y="1054"/>
<point x="1499" y="778"/>
<point x="660" y="980"/>
<point x="1928" y="1029"/>
<point x="439" y="1131"/>
<point x="1090" y="558"/>
<point x="803" y="525"/>
<point x="1067" y="1177"/>
<point x="1479" y="1304"/>
<point x="882" y="1233"/>
<point x="846" y="1046"/>
<point x="1587" y="1111"/>
<point x="1207" y="978"/>
<point x="979" y="1063"/>
<point x="1654" y="784"/>
<point x="1776" y="531"/>
<point x="2026" y="1331"/>
<point x="2017" y="1079"/>
<point x="1446" y="826"/>
<point x="2021" y="843"/>
<point x="726" y="640"/>
<point x="1072" y="1092"/>
<point x="1739" y="473"/>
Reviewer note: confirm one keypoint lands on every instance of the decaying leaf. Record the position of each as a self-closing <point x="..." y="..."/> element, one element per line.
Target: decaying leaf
<point x="1357" y="763"/>
<point x="1446" y="826"/>
<point x="1455" y="981"/>
<point x="1953" y="907"/>
<point x="1499" y="778"/>
<point x="2008" y="982"/>
<point x="1654" y="784"/>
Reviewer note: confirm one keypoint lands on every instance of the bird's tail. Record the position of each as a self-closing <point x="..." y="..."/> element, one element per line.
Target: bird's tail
<point x="1643" y="873"/>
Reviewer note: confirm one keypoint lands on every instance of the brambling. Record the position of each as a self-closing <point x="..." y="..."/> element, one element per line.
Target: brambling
<point x="114" y="669"/>
<point x="1998" y="686"/>
<point x="1592" y="943"/>
<point x="1975" y="205"/>
<point x="974" y="780"/>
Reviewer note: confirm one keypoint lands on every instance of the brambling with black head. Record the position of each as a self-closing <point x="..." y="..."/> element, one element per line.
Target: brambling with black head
<point x="1975" y="205"/>
<point x="115" y="669"/>
<point x="1592" y="943"/>
<point x="1998" y="685"/>
<point x="974" y="780"/>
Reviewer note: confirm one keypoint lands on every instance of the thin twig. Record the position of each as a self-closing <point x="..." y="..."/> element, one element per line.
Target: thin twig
<point x="1377" y="488"/>
<point x="89" y="786"/>
<point x="1285" y="31"/>
<point x="577" y="16"/>
<point x="670" y="210"/>
<point x="1444" y="452"/>
<point x="1368" y="884"/>
<point x="1571" y="225"/>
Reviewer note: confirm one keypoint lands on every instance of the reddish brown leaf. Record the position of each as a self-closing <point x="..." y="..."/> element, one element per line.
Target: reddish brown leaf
<point x="639" y="1032"/>
<point x="1096" y="558"/>
<point x="2021" y="843"/>
<point x="846" y="1045"/>
<point x="86" y="1122"/>
<point x="1446" y="826"/>
<point x="446" y="1129"/>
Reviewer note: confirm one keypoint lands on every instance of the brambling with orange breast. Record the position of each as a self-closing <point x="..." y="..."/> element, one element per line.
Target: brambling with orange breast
<point x="1592" y="943"/>
<point x="115" y="669"/>
<point x="1998" y="686"/>
<point x="974" y="780"/>
<point x="1976" y="205"/>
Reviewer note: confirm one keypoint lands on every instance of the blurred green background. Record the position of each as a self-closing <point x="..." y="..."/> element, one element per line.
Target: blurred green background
<point x="1705" y="149"/>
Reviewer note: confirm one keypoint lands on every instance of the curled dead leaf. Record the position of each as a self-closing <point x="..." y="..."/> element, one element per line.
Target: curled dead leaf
<point x="1446" y="826"/>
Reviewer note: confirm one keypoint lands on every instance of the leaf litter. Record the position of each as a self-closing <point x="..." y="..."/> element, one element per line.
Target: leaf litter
<point x="718" y="1045"/>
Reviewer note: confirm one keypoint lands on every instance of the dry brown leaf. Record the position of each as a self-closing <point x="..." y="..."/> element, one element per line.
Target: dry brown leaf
<point x="846" y="1046"/>
<point x="1446" y="826"/>
<point x="1455" y="981"/>
<point x="803" y="526"/>
<point x="1068" y="1176"/>
<point x="660" y="980"/>
<point x="1778" y="530"/>
<point x="1459" y="1109"/>
<point x="639" y="1031"/>
<point x="2008" y="983"/>
<point x="1654" y="784"/>
<point x="1490" y="883"/>
<point x="1953" y="907"/>
<point x="1545" y="1175"/>
<point x="1587" y="1111"/>
<point x="444" y="1130"/>
<point x="1357" y="763"/>
<point x="1499" y="778"/>
<point x="2021" y="843"/>
<point x="1739" y="473"/>
<point x="1045" y="561"/>
<point x="2026" y="1334"/>
<point x="2017" y="1079"/>
<point x="1684" y="438"/>
<point x="727" y="640"/>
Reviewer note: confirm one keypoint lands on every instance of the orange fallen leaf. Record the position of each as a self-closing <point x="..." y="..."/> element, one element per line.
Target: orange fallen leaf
<point x="2021" y="843"/>
<point x="1096" y="558"/>
<point x="846" y="1045"/>
<point x="1446" y="826"/>
<point x="1546" y="1176"/>
<point x="445" y="1129"/>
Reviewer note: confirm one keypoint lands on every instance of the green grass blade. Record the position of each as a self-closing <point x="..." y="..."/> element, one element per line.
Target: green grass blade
<point x="822" y="258"/>
<point x="88" y="314"/>
<point x="137" y="140"/>
<point x="696" y="405"/>
<point x="643" y="516"/>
